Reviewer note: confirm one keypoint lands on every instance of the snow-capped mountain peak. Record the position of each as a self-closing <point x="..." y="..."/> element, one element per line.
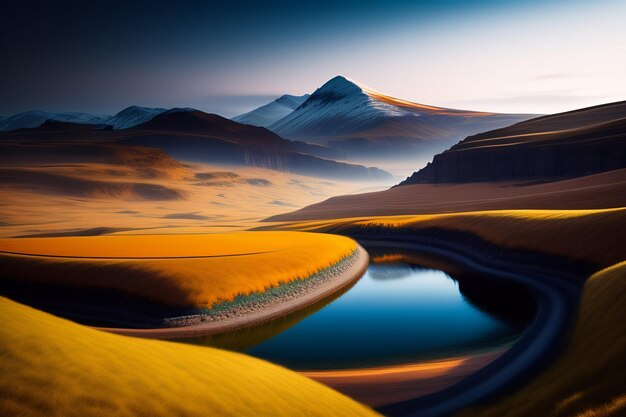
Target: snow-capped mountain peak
<point x="339" y="106"/>
<point x="339" y="86"/>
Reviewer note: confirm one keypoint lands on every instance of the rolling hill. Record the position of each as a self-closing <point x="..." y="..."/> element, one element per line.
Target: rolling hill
<point x="201" y="137"/>
<point x="565" y="145"/>
<point x="194" y="136"/>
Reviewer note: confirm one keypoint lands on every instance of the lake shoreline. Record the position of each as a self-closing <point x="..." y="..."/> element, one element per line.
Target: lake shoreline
<point x="556" y="293"/>
<point x="288" y="300"/>
<point x="385" y="385"/>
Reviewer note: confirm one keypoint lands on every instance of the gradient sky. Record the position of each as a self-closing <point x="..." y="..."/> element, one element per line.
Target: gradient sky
<point x="535" y="56"/>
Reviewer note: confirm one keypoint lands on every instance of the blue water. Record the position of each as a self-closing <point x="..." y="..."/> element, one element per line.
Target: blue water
<point x="396" y="313"/>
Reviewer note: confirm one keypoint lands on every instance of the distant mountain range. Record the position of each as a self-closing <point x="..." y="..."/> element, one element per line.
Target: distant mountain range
<point x="345" y="119"/>
<point x="191" y="135"/>
<point x="36" y="118"/>
<point x="272" y="112"/>
<point x="564" y="145"/>
<point x="129" y="117"/>
<point x="342" y="120"/>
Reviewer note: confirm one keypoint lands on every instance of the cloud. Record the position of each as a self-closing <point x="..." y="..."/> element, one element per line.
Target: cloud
<point x="554" y="76"/>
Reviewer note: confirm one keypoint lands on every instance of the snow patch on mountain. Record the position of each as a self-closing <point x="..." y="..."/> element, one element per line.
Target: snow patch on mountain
<point x="271" y="112"/>
<point x="129" y="117"/>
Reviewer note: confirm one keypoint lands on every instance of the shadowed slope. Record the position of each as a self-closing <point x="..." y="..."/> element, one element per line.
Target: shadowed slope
<point x="272" y="112"/>
<point x="209" y="138"/>
<point x="192" y="135"/>
<point x="572" y="144"/>
<point x="52" y="367"/>
<point x="588" y="379"/>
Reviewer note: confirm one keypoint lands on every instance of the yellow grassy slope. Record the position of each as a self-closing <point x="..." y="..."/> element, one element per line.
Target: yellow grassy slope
<point x="180" y="270"/>
<point x="52" y="367"/>
<point x="589" y="378"/>
<point x="583" y="235"/>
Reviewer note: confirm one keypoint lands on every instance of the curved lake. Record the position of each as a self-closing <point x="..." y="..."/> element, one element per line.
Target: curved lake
<point x="396" y="313"/>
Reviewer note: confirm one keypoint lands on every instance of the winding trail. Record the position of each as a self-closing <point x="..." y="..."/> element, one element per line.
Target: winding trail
<point x="556" y="294"/>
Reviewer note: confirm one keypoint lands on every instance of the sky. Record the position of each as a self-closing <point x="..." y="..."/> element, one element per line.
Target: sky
<point x="527" y="56"/>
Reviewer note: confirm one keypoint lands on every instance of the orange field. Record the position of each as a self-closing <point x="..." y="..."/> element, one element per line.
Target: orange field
<point x="179" y="270"/>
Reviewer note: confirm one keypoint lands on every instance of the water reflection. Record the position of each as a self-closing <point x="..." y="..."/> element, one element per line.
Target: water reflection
<point x="396" y="313"/>
<point x="390" y="271"/>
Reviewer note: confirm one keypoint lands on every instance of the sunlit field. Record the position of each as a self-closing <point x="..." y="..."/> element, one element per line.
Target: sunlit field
<point x="52" y="367"/>
<point x="594" y="236"/>
<point x="199" y="198"/>
<point x="177" y="270"/>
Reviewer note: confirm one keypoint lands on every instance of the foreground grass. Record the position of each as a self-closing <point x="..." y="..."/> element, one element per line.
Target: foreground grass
<point x="178" y="270"/>
<point x="589" y="378"/>
<point x="594" y="236"/>
<point x="53" y="367"/>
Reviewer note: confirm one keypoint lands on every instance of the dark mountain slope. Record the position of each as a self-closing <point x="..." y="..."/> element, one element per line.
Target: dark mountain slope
<point x="201" y="137"/>
<point x="565" y="145"/>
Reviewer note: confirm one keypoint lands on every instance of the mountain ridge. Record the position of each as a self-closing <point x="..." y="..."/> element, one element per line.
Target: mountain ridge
<point x="194" y="136"/>
<point x="271" y="112"/>
<point x="362" y="122"/>
<point x="35" y="118"/>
